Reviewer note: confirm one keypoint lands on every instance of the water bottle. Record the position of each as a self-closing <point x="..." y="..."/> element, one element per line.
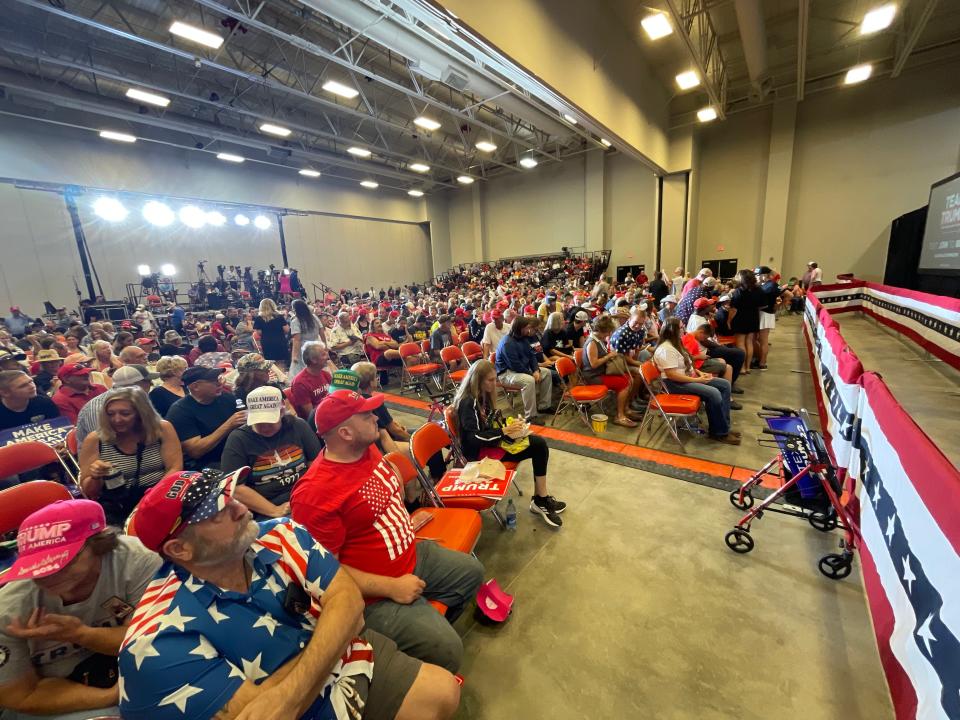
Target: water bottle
<point x="511" y="515"/>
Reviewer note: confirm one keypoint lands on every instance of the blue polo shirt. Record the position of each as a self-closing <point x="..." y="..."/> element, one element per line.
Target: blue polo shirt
<point x="191" y="645"/>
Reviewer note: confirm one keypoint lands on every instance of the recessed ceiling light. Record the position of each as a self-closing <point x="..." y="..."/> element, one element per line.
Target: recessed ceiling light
<point x="528" y="162"/>
<point x="310" y="173"/>
<point x="656" y="26"/>
<point x="485" y="146"/>
<point x="272" y="129"/>
<point x="370" y="184"/>
<point x="878" y="18"/>
<point x="420" y="167"/>
<point x="688" y="79"/>
<point x="426" y="123"/>
<point x="706" y="114"/>
<point x="465" y="180"/>
<point x="189" y="32"/>
<point x="858" y="74"/>
<point x="359" y="152"/>
<point x="148" y="97"/>
<point x="337" y="88"/>
<point x="118" y="136"/>
<point x="415" y="193"/>
<point x="570" y="119"/>
<point x="230" y="157"/>
<point x="605" y="142"/>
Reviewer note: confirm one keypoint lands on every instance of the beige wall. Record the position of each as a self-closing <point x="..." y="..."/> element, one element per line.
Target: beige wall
<point x="861" y="156"/>
<point x="630" y="212"/>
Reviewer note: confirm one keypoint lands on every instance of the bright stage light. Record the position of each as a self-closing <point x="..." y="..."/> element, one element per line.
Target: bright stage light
<point x="168" y="270"/>
<point x="192" y="216"/>
<point x="241" y="220"/>
<point x="215" y="218"/>
<point x="156" y="213"/>
<point x="110" y="209"/>
<point x="143" y="270"/>
<point x="261" y="222"/>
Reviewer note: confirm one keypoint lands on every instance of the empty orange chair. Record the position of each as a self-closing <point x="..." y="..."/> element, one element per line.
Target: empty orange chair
<point x="416" y="370"/>
<point x="472" y="351"/>
<point x="17" y="503"/>
<point x="581" y="398"/>
<point x="669" y="407"/>
<point x="451" y="355"/>
<point x="31" y="455"/>
<point x="463" y="337"/>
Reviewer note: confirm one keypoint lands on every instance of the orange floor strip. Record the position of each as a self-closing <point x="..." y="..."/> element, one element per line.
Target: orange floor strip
<point x="612" y="446"/>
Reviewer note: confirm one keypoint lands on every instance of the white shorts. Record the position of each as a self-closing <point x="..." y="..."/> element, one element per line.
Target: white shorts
<point x="768" y="321"/>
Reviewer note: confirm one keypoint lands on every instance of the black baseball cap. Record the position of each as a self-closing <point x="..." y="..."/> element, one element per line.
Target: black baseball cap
<point x="194" y="374"/>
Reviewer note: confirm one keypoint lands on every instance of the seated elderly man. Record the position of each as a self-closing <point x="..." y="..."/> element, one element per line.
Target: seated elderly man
<point x="351" y="501"/>
<point x="345" y="340"/>
<point x="310" y="385"/>
<point x="204" y="418"/>
<point x="257" y="620"/>
<point x="64" y="608"/>
<point x="517" y="365"/>
<point x="75" y="391"/>
<point x="133" y="355"/>
<point x="50" y="363"/>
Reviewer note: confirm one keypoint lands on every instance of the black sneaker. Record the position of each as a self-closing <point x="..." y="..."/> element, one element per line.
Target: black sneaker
<point x="734" y="405"/>
<point x="735" y="390"/>
<point x="545" y="507"/>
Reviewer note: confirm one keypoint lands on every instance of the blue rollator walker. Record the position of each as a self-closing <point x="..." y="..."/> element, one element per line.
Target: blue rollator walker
<point x="810" y="488"/>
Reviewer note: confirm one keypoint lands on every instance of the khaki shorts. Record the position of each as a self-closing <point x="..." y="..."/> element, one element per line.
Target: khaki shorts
<point x="393" y="676"/>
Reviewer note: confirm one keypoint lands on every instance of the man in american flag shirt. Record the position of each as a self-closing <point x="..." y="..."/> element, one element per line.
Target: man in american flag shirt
<point x="256" y="621"/>
<point x="351" y="500"/>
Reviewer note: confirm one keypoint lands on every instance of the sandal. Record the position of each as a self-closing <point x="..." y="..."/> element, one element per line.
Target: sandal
<point x="625" y="422"/>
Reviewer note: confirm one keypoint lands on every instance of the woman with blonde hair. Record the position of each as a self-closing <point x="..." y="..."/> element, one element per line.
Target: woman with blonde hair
<point x="270" y="329"/>
<point x="481" y="430"/>
<point x="131" y="450"/>
<point x="170" y="389"/>
<point x="103" y="358"/>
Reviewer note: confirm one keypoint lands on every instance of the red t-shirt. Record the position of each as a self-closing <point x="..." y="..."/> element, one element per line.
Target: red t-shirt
<point x="309" y="388"/>
<point x="355" y="510"/>
<point x="694" y="348"/>
<point x="70" y="402"/>
<point x="372" y="352"/>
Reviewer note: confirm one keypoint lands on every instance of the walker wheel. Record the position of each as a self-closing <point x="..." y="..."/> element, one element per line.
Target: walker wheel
<point x="822" y="521"/>
<point x="744" y="504"/>
<point x="836" y="566"/>
<point x="739" y="540"/>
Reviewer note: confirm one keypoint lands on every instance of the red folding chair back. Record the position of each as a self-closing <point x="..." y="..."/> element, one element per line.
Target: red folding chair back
<point x="472" y="351"/>
<point x="21" y="457"/>
<point x="427" y="441"/>
<point x="71" y="441"/>
<point x="20" y="501"/>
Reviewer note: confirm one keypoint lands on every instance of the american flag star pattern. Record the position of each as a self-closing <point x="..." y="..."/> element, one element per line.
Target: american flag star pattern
<point x="192" y="645"/>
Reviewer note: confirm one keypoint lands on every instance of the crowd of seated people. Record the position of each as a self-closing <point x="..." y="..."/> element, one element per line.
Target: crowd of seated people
<point x="254" y="443"/>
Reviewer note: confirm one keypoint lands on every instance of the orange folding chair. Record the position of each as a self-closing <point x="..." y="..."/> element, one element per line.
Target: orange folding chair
<point x="453" y="430"/>
<point x="453" y="356"/>
<point x="511" y="392"/>
<point x="427" y="441"/>
<point x="670" y="408"/>
<point x="582" y="398"/>
<point x="472" y="351"/>
<point x="20" y="501"/>
<point x="31" y="455"/>
<point x="463" y="337"/>
<point x="417" y="371"/>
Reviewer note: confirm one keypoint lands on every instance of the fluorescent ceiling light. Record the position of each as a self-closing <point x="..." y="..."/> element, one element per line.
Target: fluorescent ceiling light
<point x="337" y="88"/>
<point x="570" y="119"/>
<point x="465" y="180"/>
<point x="605" y="142"/>
<point x="359" y="152"/>
<point x="372" y="185"/>
<point x="415" y="193"/>
<point x="110" y="209"/>
<point x="189" y="32"/>
<point x="485" y="146"/>
<point x="688" y="79"/>
<point x="148" y="97"/>
<point x="230" y="157"/>
<point x="878" y="19"/>
<point x="241" y="220"/>
<point x="706" y="114"/>
<point x="156" y="213"/>
<point x="420" y="167"/>
<point x="192" y="216"/>
<point x="118" y="136"/>
<point x="168" y="270"/>
<point x="426" y="123"/>
<point x="272" y="129"/>
<point x="656" y="26"/>
<point x="143" y="270"/>
<point x="261" y="222"/>
<point x="528" y="162"/>
<point x="215" y="218"/>
<point x="858" y="74"/>
<point x="307" y="172"/>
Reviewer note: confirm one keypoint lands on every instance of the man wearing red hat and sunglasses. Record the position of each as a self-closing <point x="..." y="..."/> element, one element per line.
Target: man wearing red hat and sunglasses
<point x="64" y="606"/>
<point x="257" y="620"/>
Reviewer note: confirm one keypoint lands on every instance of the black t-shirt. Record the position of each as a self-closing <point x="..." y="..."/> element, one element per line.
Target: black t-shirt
<point x="192" y="419"/>
<point x="39" y="408"/>
<point x="771" y="291"/>
<point x="558" y="340"/>
<point x="163" y="400"/>
<point x="384" y="418"/>
<point x="43" y="381"/>
<point x="659" y="290"/>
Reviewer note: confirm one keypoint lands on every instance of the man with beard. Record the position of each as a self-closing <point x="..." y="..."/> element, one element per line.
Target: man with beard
<point x="256" y="621"/>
